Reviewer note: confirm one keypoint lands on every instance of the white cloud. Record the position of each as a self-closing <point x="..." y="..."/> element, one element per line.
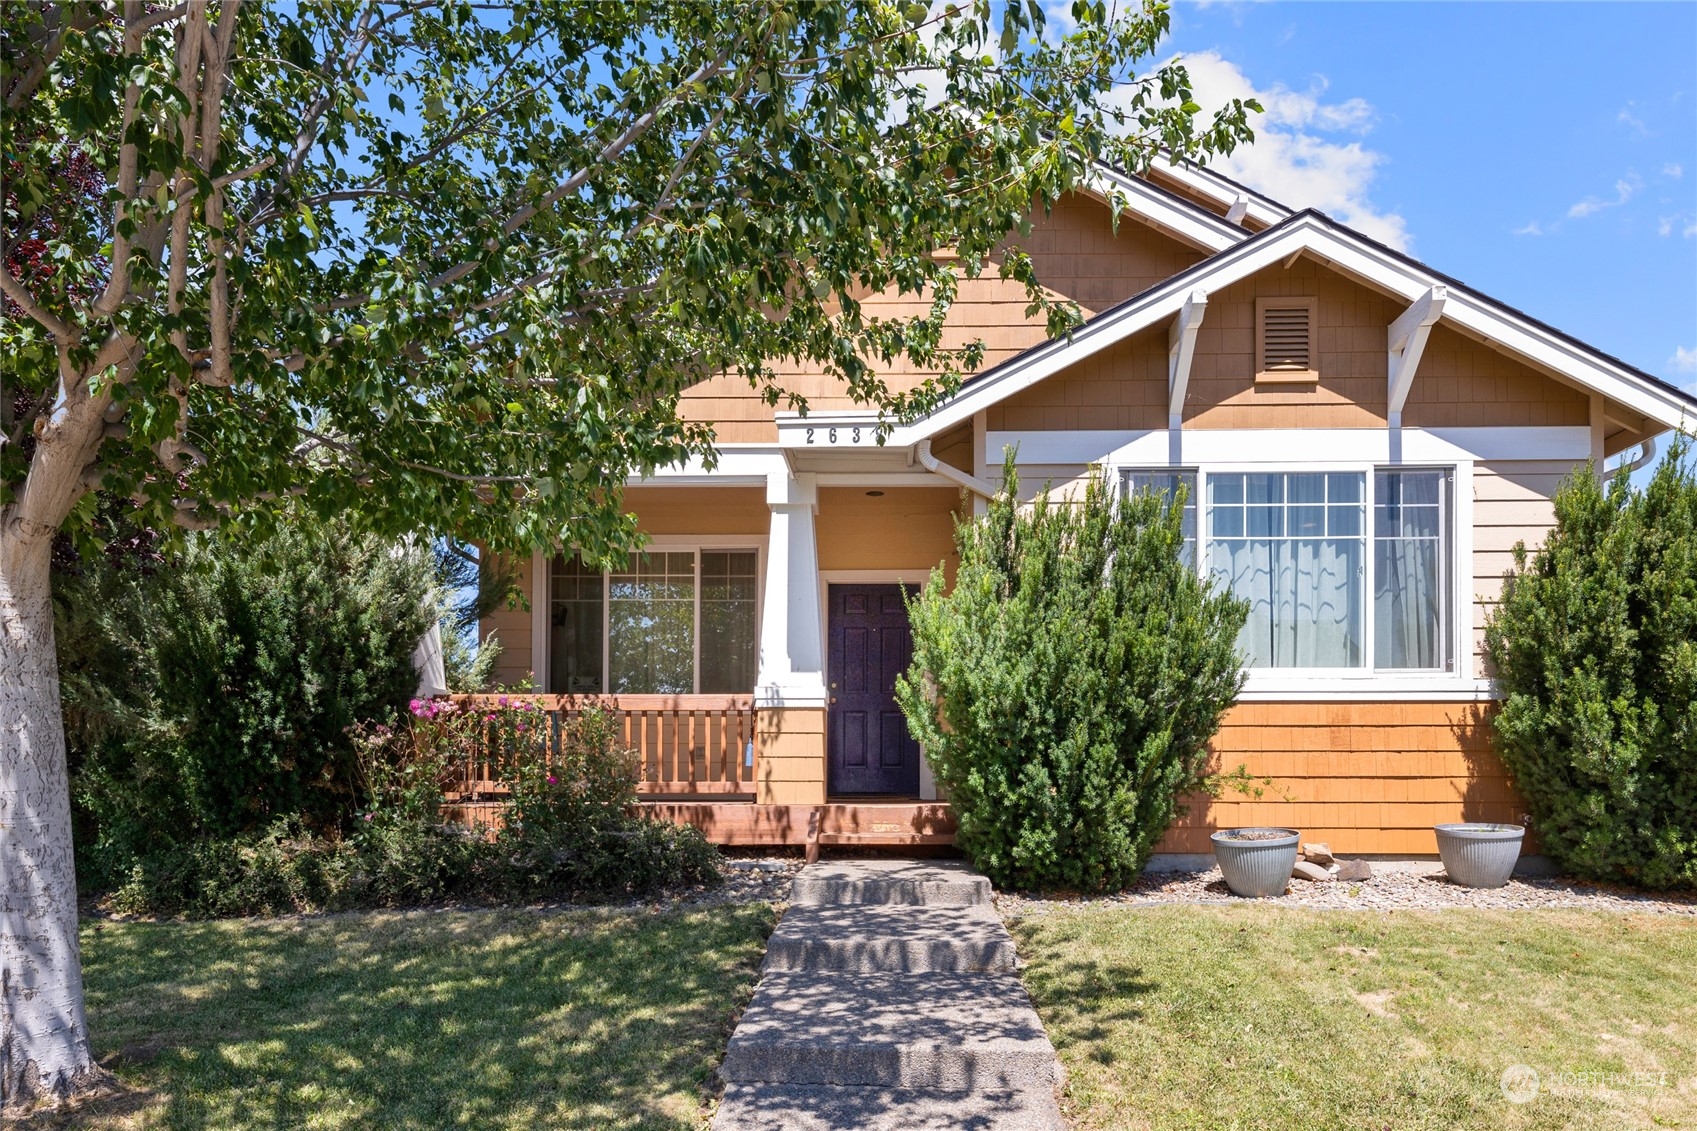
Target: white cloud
<point x="1624" y="188"/>
<point x="1291" y="159"/>
<point x="1664" y="226"/>
<point x="1531" y="229"/>
<point x="1690" y="231"/>
<point x="1683" y="360"/>
<point x="1627" y="117"/>
<point x="1673" y="170"/>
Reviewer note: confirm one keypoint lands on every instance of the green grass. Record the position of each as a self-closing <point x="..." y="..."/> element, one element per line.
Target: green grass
<point x="486" y="1019"/>
<point x="1253" y="1017"/>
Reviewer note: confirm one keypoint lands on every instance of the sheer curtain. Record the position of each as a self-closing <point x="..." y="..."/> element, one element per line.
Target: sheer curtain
<point x="1410" y="519"/>
<point x="1293" y="546"/>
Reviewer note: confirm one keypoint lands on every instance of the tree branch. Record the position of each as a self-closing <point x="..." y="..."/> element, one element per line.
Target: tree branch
<point x="63" y="333"/>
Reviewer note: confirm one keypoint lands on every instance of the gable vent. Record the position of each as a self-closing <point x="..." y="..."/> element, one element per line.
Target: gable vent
<point x="1285" y="338"/>
<point x="1284" y="344"/>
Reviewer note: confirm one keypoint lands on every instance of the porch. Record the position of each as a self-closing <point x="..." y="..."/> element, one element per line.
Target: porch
<point x="700" y="763"/>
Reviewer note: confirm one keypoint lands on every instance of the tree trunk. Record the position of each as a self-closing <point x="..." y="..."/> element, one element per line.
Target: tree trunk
<point x="44" y="1049"/>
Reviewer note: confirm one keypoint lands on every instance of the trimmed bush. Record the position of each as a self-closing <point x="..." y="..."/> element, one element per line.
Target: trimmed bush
<point x="1595" y="649"/>
<point x="1066" y="688"/>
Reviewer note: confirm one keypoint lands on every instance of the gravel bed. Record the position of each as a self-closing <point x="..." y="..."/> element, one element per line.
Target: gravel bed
<point x="1413" y="886"/>
<point x="747" y="879"/>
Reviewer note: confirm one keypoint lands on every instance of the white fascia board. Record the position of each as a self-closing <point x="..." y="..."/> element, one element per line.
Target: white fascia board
<point x="1287" y="446"/>
<point x="743" y="466"/>
<point x="1312" y="234"/>
<point x="1154" y="205"/>
<point x="1257" y="207"/>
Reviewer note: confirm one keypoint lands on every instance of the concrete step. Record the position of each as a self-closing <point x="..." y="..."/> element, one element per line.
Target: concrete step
<point x="825" y="1107"/>
<point x="890" y="938"/>
<point x="932" y="883"/>
<point x="947" y="1032"/>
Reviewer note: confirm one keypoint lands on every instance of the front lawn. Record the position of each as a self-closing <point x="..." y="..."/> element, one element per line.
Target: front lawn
<point x="1255" y="1017"/>
<point x="481" y="1019"/>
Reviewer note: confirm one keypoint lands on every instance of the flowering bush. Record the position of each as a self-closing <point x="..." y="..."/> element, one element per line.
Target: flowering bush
<point x="570" y="831"/>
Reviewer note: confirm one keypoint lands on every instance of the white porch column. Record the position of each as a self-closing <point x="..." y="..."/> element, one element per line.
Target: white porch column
<point x="792" y="669"/>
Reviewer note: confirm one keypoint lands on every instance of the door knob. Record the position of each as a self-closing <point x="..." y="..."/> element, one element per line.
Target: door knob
<point x="833" y="699"/>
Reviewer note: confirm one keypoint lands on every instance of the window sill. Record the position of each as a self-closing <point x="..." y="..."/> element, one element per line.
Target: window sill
<point x="1288" y="377"/>
<point x="1266" y="687"/>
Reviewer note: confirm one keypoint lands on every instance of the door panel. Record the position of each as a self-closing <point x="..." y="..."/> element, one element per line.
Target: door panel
<point x="869" y="749"/>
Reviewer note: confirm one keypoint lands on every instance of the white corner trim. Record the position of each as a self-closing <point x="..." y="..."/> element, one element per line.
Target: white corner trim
<point x="1295" y="445"/>
<point x="1181" y="350"/>
<point x="539" y="644"/>
<point x="1407" y="341"/>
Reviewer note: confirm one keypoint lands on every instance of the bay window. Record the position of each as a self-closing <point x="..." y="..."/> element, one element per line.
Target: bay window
<point x="676" y="622"/>
<point x="1342" y="569"/>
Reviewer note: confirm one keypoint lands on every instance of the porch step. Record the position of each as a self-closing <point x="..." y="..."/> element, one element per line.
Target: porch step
<point x="928" y="883"/>
<point x="941" y="1032"/>
<point x="890" y="938"/>
<point x="824" y="1107"/>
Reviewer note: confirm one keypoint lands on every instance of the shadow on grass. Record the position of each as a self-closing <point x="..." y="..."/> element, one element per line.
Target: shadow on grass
<point x="426" y="1020"/>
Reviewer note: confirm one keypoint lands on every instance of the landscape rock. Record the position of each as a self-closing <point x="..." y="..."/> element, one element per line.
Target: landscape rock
<point x="1317" y="854"/>
<point x="1355" y="871"/>
<point x="1306" y="871"/>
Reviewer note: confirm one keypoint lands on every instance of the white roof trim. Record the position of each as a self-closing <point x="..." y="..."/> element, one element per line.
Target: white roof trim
<point x="1201" y="180"/>
<point x="1163" y="210"/>
<point x="1308" y="232"/>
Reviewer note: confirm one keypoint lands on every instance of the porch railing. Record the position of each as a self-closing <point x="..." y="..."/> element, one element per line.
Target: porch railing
<point x="687" y="745"/>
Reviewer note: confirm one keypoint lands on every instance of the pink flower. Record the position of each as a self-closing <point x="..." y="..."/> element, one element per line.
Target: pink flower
<point x="502" y="701"/>
<point x="552" y="780"/>
<point x="368" y="816"/>
<point x="417" y="706"/>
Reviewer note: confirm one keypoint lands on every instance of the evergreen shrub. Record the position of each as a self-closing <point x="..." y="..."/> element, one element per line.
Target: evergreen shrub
<point x="1595" y="650"/>
<point x="1065" y="689"/>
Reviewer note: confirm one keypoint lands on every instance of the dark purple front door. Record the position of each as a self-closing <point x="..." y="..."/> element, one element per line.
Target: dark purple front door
<point x="868" y="747"/>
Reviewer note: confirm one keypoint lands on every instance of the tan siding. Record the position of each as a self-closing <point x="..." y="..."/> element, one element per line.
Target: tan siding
<point x="1078" y="256"/>
<point x="1511" y="503"/>
<point x="1363" y="777"/>
<point x="954" y="447"/>
<point x="790" y="756"/>
<point x="907" y="528"/>
<point x="511" y="627"/>
<point x="1124" y="387"/>
<point x="699" y="510"/>
<point x="1465" y="383"/>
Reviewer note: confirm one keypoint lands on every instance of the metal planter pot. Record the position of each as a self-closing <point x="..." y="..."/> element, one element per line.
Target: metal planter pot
<point x="1256" y="869"/>
<point x="1479" y="855"/>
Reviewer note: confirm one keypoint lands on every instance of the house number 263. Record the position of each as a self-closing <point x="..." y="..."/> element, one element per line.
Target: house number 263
<point x="831" y="435"/>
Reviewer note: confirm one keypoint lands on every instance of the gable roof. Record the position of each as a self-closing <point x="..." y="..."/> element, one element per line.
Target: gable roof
<point x="1341" y="248"/>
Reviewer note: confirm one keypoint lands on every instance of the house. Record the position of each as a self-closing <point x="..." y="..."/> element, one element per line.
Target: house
<point x="1364" y="439"/>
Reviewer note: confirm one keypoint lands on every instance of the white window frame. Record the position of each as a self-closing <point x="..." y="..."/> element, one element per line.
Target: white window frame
<point x="1365" y="682"/>
<point x="541" y="602"/>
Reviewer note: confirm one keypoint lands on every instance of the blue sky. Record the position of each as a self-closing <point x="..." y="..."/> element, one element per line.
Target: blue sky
<point x="1545" y="154"/>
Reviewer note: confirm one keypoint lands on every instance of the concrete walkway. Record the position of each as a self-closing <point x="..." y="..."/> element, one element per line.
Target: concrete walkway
<point x="889" y="1002"/>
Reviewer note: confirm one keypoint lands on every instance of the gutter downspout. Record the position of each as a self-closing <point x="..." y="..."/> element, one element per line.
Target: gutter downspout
<point x="948" y="471"/>
<point x="1647" y="453"/>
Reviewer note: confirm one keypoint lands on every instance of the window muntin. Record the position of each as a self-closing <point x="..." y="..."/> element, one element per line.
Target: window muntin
<point x="730" y="595"/>
<point x="1411" y="570"/>
<point x="651" y="625"/>
<point x="576" y="607"/>
<point x="1293" y="544"/>
<point x="676" y="622"/>
<point x="1137" y="481"/>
